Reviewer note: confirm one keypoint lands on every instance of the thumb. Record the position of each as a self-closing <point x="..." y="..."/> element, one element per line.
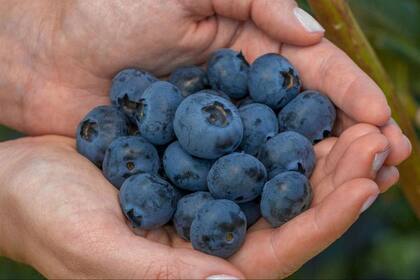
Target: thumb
<point x="282" y="20"/>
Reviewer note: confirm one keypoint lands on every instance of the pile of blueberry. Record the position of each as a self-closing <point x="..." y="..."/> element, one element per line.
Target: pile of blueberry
<point x="206" y="150"/>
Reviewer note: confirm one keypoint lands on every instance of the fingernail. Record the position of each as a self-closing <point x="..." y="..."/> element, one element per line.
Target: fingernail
<point x="222" y="277"/>
<point x="307" y="21"/>
<point x="371" y="199"/>
<point x="386" y="173"/>
<point x="407" y="142"/>
<point x="379" y="160"/>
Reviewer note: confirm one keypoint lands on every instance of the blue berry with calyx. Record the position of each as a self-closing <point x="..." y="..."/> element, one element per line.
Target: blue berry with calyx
<point x="273" y="81"/>
<point x="97" y="130"/>
<point x="208" y="126"/>
<point x="127" y="88"/>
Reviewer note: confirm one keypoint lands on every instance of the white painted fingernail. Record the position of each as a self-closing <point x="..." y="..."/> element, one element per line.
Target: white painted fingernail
<point x="222" y="277"/>
<point x="371" y="199"/>
<point x="379" y="160"/>
<point x="307" y="21"/>
<point x="407" y="142"/>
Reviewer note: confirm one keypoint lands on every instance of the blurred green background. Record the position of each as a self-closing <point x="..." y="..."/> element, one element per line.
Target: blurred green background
<point x="385" y="242"/>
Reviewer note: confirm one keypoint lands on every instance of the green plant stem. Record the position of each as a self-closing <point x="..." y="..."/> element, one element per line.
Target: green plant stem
<point x="343" y="29"/>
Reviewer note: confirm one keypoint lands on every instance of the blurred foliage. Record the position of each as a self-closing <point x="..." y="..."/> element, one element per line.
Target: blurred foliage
<point x="385" y="242"/>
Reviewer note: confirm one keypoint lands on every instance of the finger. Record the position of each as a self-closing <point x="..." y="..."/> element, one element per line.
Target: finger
<point x="344" y="141"/>
<point x="281" y="20"/>
<point x="324" y="147"/>
<point x="362" y="159"/>
<point x="253" y="42"/>
<point x="283" y="250"/>
<point x="326" y="68"/>
<point x="387" y="177"/>
<point x="400" y="144"/>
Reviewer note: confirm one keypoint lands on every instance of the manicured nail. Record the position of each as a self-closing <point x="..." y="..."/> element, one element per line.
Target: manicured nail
<point x="222" y="277"/>
<point x="307" y="21"/>
<point x="379" y="160"/>
<point x="407" y="142"/>
<point x="371" y="199"/>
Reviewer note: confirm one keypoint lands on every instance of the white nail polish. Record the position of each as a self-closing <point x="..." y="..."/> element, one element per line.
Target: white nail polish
<point x="407" y="142"/>
<point x="307" y="21"/>
<point x="371" y="199"/>
<point x="222" y="277"/>
<point x="379" y="160"/>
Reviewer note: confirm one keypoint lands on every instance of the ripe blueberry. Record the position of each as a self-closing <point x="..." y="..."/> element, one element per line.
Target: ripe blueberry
<point x="189" y="79"/>
<point x="284" y="197"/>
<point x="147" y="201"/>
<point x="127" y="156"/>
<point x="311" y="114"/>
<point x="251" y="210"/>
<point x="228" y="71"/>
<point x="287" y="151"/>
<point x="273" y="81"/>
<point x="127" y="88"/>
<point x="208" y="126"/>
<point x="238" y="177"/>
<point x="156" y="111"/>
<point x="187" y="208"/>
<point x="185" y="171"/>
<point x="97" y="130"/>
<point x="218" y="228"/>
<point x="260" y="123"/>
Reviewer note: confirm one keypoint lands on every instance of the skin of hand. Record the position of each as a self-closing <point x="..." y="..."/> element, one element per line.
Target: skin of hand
<point x="59" y="214"/>
<point x="58" y="60"/>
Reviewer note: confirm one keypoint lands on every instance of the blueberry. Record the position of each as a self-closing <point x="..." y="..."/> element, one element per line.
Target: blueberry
<point x="127" y="88"/>
<point x="215" y="92"/>
<point x="244" y="101"/>
<point x="273" y="81"/>
<point x="187" y="208"/>
<point x="127" y="156"/>
<point x="208" y="126"/>
<point x="284" y="197"/>
<point x="238" y="177"/>
<point x="156" y="111"/>
<point x="228" y="71"/>
<point x="311" y="114"/>
<point x="185" y="171"/>
<point x="287" y="151"/>
<point x="260" y="122"/>
<point x="251" y="210"/>
<point x="219" y="228"/>
<point x="147" y="201"/>
<point x="97" y="130"/>
<point x="189" y="79"/>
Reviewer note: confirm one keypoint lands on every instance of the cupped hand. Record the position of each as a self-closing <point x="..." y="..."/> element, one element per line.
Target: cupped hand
<point x="59" y="214"/>
<point x="67" y="53"/>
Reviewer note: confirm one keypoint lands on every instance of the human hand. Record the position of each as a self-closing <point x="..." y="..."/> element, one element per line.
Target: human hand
<point x="59" y="214"/>
<point x="61" y="58"/>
